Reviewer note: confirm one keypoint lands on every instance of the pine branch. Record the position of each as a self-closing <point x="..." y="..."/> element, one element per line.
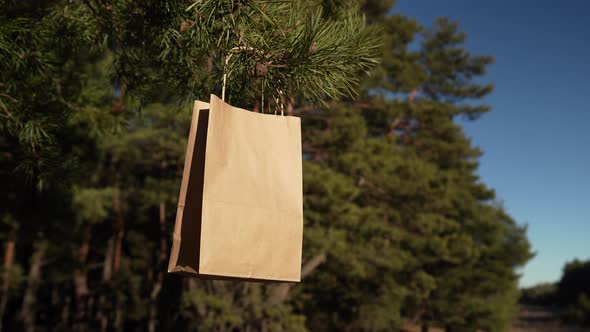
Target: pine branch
<point x="296" y="50"/>
<point x="280" y="292"/>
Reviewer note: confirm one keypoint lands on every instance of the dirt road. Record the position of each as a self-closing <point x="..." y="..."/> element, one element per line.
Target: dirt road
<point x="540" y="319"/>
<point x="530" y="319"/>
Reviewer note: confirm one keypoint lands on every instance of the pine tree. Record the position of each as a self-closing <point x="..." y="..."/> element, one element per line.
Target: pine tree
<point x="71" y="74"/>
<point x="95" y="102"/>
<point x="573" y="293"/>
<point x="411" y="166"/>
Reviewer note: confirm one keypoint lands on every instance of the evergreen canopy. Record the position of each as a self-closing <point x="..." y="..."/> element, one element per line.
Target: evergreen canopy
<point x="95" y="106"/>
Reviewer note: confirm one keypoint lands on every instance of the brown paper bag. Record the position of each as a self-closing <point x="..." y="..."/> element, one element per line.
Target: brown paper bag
<point x="240" y="210"/>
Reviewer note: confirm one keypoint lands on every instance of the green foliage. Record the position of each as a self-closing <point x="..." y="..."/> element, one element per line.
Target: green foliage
<point x="277" y="49"/>
<point x="95" y="100"/>
<point x="41" y="46"/>
<point x="573" y="292"/>
<point x="430" y="233"/>
<point x="544" y="294"/>
<point x="291" y="46"/>
<point x="92" y="205"/>
<point x="579" y="311"/>
<point x="570" y="296"/>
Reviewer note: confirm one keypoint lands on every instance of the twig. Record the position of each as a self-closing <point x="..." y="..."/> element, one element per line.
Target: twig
<point x="91" y="7"/>
<point x="12" y="100"/>
<point x="8" y="113"/>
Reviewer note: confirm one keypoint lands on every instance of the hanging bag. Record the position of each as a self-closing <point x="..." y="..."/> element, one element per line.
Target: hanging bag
<point x="240" y="210"/>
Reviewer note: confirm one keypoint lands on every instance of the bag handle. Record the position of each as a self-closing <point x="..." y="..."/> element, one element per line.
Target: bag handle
<point x="278" y="100"/>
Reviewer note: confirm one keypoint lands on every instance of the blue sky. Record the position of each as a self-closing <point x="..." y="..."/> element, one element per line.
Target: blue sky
<point x="536" y="138"/>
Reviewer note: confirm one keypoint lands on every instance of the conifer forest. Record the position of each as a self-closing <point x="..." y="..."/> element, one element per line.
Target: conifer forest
<point x="95" y="107"/>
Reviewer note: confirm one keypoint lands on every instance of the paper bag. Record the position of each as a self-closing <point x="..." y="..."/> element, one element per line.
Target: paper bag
<point x="240" y="210"/>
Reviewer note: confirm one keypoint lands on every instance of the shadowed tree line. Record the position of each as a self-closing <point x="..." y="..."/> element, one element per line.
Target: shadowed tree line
<point x="569" y="297"/>
<point x="95" y="101"/>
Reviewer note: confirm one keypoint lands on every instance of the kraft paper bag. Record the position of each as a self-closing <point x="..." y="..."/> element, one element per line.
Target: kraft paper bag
<point x="240" y="210"/>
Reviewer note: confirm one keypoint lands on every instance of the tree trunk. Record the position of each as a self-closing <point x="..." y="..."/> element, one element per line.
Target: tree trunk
<point x="280" y="292"/>
<point x="103" y="320"/>
<point x="65" y="313"/>
<point x="107" y="269"/>
<point x="28" y="307"/>
<point x="80" y="280"/>
<point x="256" y="108"/>
<point x="153" y="320"/>
<point x="119" y="227"/>
<point x="8" y="261"/>
<point x="118" y="323"/>
<point x="119" y="234"/>
<point x="290" y="103"/>
<point x="424" y="327"/>
<point x="112" y="261"/>
<point x="107" y="272"/>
